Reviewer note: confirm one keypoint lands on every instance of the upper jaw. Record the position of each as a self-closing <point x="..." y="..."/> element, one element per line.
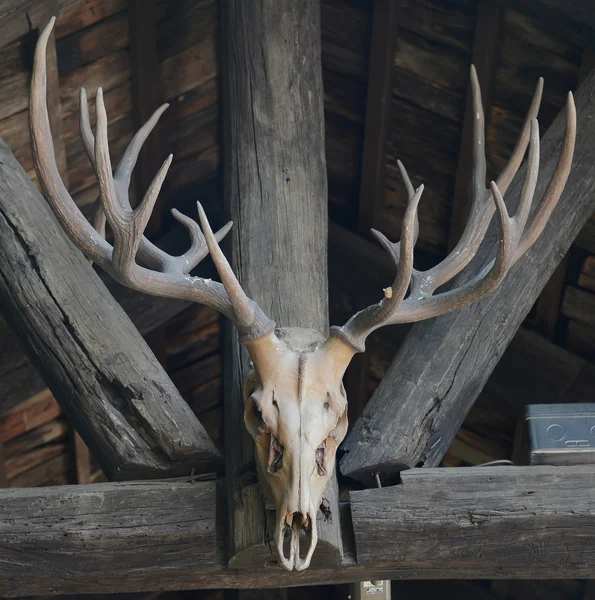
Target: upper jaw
<point x="297" y="522"/>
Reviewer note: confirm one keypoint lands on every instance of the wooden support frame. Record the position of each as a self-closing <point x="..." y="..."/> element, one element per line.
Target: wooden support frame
<point x="473" y="522"/>
<point x="378" y="109"/>
<point x="142" y="27"/>
<point x="443" y="365"/>
<point x="275" y="183"/>
<point x="486" y="45"/>
<point x="121" y="400"/>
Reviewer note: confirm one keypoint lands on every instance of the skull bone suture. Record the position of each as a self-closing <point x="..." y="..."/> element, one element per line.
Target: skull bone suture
<point x="296" y="411"/>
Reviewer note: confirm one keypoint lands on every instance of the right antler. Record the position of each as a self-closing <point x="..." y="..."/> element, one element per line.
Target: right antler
<point x="411" y="297"/>
<point x="167" y="275"/>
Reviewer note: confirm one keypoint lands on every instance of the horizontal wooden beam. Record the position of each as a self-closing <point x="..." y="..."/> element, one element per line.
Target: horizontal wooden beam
<point x="475" y="522"/>
<point x="445" y="362"/>
<point x="510" y="522"/>
<point x="109" y="384"/>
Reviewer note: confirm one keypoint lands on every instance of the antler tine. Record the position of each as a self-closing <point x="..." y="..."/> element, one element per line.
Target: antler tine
<point x="364" y="322"/>
<point x="148" y="253"/>
<point x="557" y="182"/>
<point x="128" y="225"/>
<point x="482" y="209"/>
<point x="79" y="230"/>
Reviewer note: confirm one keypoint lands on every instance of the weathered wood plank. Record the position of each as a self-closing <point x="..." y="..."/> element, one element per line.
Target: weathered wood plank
<point x="114" y="528"/>
<point x="486" y="519"/>
<point x="20" y="380"/>
<point x="19" y="17"/>
<point x="275" y="182"/>
<point x="439" y="371"/>
<point x="164" y="535"/>
<point x="142" y="24"/>
<point x="486" y="46"/>
<point x="110" y="385"/>
<point x="378" y="105"/>
<point x="572" y="20"/>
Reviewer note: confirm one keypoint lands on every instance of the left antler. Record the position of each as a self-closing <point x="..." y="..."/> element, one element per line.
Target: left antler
<point x="516" y="236"/>
<point x="163" y="275"/>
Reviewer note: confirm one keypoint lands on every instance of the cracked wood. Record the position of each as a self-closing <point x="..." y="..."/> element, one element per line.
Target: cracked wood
<point x="514" y="521"/>
<point x="445" y="362"/>
<point x="92" y="357"/>
<point x="275" y="182"/>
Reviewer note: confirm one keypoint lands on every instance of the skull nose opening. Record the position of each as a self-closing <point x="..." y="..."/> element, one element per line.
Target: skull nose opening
<point x="294" y="531"/>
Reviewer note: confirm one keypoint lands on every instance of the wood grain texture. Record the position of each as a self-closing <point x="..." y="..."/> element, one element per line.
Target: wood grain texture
<point x="486" y="46"/>
<point x="104" y="528"/>
<point x="93" y="359"/>
<point x="513" y="521"/>
<point x="440" y="370"/>
<point x="378" y="105"/>
<point x="19" y="17"/>
<point x="145" y="536"/>
<point x="571" y="20"/>
<point x="275" y="183"/>
<point x="20" y="379"/>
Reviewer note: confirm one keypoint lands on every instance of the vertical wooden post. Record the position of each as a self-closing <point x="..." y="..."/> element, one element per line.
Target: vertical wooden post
<point x="275" y="183"/>
<point x="378" y="103"/>
<point x="383" y="46"/>
<point x="486" y="44"/>
<point x="144" y="72"/>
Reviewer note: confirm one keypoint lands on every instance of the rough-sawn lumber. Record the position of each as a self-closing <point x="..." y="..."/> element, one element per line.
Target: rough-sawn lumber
<point x="445" y="362"/>
<point x="275" y="183"/>
<point x="474" y="522"/>
<point x="92" y="357"/>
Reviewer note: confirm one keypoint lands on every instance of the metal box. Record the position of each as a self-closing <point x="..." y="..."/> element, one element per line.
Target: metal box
<point x="561" y="434"/>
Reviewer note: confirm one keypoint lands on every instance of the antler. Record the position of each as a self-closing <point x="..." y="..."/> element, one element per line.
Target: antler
<point x="167" y="275"/>
<point x="421" y="303"/>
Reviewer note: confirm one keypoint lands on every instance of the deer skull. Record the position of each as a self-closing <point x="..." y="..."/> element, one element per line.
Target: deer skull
<point x="296" y="411"/>
<point x="295" y="401"/>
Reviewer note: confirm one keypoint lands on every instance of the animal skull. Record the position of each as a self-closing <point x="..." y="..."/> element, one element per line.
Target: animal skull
<point x="296" y="411"/>
<point x="295" y="401"/>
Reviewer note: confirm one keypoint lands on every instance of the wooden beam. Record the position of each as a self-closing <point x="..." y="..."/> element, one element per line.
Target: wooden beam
<point x="500" y="522"/>
<point x="19" y="17"/>
<point x="571" y="20"/>
<point x="19" y="378"/>
<point x="486" y="48"/>
<point x="275" y="183"/>
<point x="378" y="108"/>
<point x="445" y="362"/>
<point x="110" y="386"/>
<point x="485" y="521"/>
<point x="144" y="71"/>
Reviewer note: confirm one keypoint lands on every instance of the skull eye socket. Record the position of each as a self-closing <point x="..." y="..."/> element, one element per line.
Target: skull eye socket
<point x="275" y="456"/>
<point x="321" y="459"/>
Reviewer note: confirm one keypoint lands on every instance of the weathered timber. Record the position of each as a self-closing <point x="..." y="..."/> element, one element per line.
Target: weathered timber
<point x="117" y="528"/>
<point x="444" y="363"/>
<point x="572" y="20"/>
<point x="378" y="107"/>
<point x="482" y="520"/>
<point x="486" y="46"/>
<point x="160" y="535"/>
<point x="142" y="21"/>
<point x="275" y="182"/>
<point x="93" y="359"/>
<point x="19" y="17"/>
<point x="20" y="380"/>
